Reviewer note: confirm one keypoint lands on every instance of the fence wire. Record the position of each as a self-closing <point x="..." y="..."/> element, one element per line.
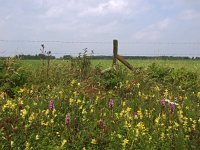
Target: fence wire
<point x="104" y="48"/>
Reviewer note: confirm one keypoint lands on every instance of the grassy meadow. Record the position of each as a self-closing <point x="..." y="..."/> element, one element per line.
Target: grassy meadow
<point x="191" y="65"/>
<point x="74" y="105"/>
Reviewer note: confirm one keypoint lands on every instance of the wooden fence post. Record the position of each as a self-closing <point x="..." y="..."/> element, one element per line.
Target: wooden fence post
<point x="115" y="51"/>
<point x="122" y="60"/>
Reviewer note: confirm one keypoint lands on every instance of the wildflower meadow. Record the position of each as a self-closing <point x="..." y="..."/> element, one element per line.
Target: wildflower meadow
<point x="76" y="106"/>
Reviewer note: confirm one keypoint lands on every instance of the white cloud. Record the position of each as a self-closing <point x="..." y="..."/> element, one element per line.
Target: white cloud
<point x="164" y="24"/>
<point x="190" y="15"/>
<point x="154" y="31"/>
<point x="54" y="12"/>
<point x="147" y="35"/>
<point x="111" y="6"/>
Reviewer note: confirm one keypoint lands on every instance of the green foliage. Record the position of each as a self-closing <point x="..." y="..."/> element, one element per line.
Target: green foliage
<point x="176" y="77"/>
<point x="12" y="76"/>
<point x="81" y="65"/>
<point x="135" y="120"/>
<point x="112" y="78"/>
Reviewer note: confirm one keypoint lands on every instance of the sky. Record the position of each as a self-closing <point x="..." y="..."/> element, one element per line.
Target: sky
<point x="142" y="27"/>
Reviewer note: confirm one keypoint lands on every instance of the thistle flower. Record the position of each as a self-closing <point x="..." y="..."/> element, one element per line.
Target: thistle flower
<point x="162" y="102"/>
<point x="111" y="104"/>
<point x="172" y="107"/>
<point x="67" y="119"/>
<point x="51" y="105"/>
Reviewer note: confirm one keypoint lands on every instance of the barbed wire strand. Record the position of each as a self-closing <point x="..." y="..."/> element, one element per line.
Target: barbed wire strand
<point x="96" y="42"/>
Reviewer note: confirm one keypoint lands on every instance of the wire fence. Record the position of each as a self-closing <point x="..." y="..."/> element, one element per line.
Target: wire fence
<point x="131" y="48"/>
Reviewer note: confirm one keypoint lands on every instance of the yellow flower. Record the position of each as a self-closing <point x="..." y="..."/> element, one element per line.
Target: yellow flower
<point x="139" y="112"/>
<point x="92" y="110"/>
<point x="78" y="101"/>
<point x="21" y="90"/>
<point x="125" y="142"/>
<point x="27" y="146"/>
<point x="124" y="104"/>
<point x="71" y="101"/>
<point x="84" y="111"/>
<point x="11" y="143"/>
<point x="94" y="141"/>
<point x="138" y="85"/>
<point x="162" y="137"/>
<point x="198" y="94"/>
<point x="37" y="137"/>
<point x="157" y="120"/>
<point x="47" y="112"/>
<point x="23" y="113"/>
<point x="54" y="112"/>
<point x="63" y="142"/>
<point x="140" y="126"/>
<point x="166" y="93"/>
<point x="31" y="118"/>
<point x="128" y="109"/>
<point x="9" y="104"/>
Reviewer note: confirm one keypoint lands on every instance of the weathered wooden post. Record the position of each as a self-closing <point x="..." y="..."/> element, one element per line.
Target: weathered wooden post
<point x="115" y="51"/>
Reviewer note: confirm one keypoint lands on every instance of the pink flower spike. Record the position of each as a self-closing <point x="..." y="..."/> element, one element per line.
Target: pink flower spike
<point x="67" y="119"/>
<point x="111" y="104"/>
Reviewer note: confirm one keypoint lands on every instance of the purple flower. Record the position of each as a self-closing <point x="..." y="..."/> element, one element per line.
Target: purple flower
<point x="51" y="105"/>
<point x="67" y="119"/>
<point x="172" y="107"/>
<point x="111" y="104"/>
<point x="162" y="102"/>
<point x="135" y="113"/>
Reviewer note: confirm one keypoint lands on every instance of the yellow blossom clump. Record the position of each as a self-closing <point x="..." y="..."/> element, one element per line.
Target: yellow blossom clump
<point x="128" y="109"/>
<point x="166" y="93"/>
<point x="139" y="112"/>
<point x="31" y="118"/>
<point x="140" y="126"/>
<point x="93" y="141"/>
<point x="9" y="104"/>
<point x="84" y="111"/>
<point x="125" y="142"/>
<point x="23" y="113"/>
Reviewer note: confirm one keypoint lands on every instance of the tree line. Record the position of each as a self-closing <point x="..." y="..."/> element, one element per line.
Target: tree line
<point x="66" y="57"/>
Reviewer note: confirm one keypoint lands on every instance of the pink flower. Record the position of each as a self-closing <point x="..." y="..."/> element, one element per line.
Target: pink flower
<point x="162" y="102"/>
<point x="51" y="105"/>
<point x="67" y="119"/>
<point x="111" y="104"/>
<point x="172" y="107"/>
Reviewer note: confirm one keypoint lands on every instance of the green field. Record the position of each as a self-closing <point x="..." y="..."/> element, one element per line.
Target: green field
<point x="190" y="65"/>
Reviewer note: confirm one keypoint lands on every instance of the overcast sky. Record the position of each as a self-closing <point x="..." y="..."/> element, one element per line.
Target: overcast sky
<point x="143" y="27"/>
